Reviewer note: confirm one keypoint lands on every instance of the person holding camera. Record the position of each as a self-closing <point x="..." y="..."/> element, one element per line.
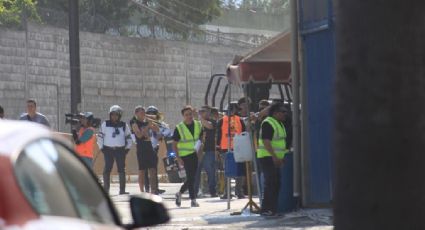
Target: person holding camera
<point x="85" y="138"/>
<point x="146" y="156"/>
<point x="114" y="141"/>
<point x="156" y="137"/>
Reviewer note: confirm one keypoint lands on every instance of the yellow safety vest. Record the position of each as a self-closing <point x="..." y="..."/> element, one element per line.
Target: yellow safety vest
<point x="278" y="142"/>
<point x="186" y="145"/>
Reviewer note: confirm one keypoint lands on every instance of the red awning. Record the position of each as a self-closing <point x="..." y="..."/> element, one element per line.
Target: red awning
<point x="268" y="63"/>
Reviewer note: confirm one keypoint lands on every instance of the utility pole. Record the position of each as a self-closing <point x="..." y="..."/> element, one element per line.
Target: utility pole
<point x="74" y="56"/>
<point x="296" y="102"/>
<point x="380" y="122"/>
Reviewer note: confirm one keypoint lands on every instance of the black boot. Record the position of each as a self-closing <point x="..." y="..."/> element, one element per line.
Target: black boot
<point x="106" y="182"/>
<point x="122" y="183"/>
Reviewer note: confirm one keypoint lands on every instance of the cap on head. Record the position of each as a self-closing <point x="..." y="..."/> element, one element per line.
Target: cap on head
<point x="139" y="108"/>
<point x="88" y="115"/>
<point x="152" y="110"/>
<point x="277" y="107"/>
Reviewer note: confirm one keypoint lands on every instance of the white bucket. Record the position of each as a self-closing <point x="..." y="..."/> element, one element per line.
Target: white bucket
<point x="242" y="147"/>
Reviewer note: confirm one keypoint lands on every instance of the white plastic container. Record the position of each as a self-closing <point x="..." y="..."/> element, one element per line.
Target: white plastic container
<point x="182" y="172"/>
<point x="242" y="147"/>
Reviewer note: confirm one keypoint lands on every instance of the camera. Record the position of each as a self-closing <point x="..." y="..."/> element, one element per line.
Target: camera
<point x="74" y="119"/>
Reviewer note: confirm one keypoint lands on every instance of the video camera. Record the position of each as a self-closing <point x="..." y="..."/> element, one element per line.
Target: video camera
<point x="74" y="120"/>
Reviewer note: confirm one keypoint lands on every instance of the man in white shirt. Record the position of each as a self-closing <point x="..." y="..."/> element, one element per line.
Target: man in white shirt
<point x="115" y="141"/>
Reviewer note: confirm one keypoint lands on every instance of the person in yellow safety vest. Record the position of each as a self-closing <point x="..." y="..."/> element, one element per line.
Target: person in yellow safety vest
<point x="270" y="153"/>
<point x="186" y="139"/>
<point x="85" y="139"/>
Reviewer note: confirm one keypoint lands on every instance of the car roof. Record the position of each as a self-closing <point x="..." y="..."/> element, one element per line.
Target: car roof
<point x="14" y="135"/>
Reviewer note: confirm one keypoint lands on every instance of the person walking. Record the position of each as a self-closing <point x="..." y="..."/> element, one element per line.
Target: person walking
<point x="185" y="140"/>
<point x="208" y="159"/>
<point x="236" y="127"/>
<point x="85" y="139"/>
<point x="146" y="156"/>
<point x="33" y="115"/>
<point x="270" y="153"/>
<point x="114" y="141"/>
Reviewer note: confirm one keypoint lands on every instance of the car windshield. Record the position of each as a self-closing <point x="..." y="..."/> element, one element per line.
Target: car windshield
<point x="56" y="183"/>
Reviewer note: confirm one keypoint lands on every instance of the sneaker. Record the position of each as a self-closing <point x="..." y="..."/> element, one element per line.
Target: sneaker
<point x="241" y="197"/>
<point x="268" y="213"/>
<point x="194" y="204"/>
<point x="124" y="193"/>
<point x="214" y="195"/>
<point x="224" y="197"/>
<point x="178" y="199"/>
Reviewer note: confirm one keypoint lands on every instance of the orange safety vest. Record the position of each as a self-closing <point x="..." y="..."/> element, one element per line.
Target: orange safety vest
<point x="86" y="149"/>
<point x="235" y="128"/>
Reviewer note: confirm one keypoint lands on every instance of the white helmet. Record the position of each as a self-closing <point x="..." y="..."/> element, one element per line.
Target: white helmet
<point x="115" y="108"/>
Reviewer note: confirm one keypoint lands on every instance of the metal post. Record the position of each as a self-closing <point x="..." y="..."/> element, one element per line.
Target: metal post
<point x="228" y="142"/>
<point x="296" y="98"/>
<point x="74" y="56"/>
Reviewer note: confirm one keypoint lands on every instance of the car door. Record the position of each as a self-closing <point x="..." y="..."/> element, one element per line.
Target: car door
<point x="58" y="185"/>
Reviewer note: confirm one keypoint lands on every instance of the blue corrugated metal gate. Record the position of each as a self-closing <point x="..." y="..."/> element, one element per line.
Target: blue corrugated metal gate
<point x="319" y="63"/>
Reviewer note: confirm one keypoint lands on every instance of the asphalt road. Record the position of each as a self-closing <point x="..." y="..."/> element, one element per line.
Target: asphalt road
<point x="213" y="213"/>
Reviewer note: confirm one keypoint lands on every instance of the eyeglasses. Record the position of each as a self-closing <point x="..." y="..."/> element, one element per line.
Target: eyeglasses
<point x="117" y="132"/>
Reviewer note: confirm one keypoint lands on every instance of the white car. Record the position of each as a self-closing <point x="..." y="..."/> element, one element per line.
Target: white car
<point x="44" y="185"/>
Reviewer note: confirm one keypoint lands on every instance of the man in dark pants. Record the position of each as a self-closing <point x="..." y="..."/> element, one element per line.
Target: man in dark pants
<point x="186" y="140"/>
<point x="208" y="159"/>
<point x="114" y="140"/>
<point x="236" y="127"/>
<point x="270" y="153"/>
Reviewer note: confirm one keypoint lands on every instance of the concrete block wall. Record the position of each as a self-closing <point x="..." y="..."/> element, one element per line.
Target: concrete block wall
<point x="114" y="70"/>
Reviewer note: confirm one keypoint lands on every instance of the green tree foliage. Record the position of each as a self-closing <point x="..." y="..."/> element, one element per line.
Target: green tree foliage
<point x="14" y="12"/>
<point x="182" y="16"/>
<point x="95" y="15"/>
<point x="265" y="6"/>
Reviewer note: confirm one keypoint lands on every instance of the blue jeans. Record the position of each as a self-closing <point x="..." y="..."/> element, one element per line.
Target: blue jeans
<point x="207" y="163"/>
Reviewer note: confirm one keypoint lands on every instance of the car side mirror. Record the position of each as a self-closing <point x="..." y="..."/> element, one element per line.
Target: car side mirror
<point x="147" y="210"/>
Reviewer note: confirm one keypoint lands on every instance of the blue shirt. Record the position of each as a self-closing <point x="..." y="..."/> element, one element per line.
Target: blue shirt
<point x="38" y="118"/>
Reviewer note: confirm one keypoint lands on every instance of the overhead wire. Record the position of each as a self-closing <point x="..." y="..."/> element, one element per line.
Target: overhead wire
<point x="187" y="25"/>
<point x="193" y="8"/>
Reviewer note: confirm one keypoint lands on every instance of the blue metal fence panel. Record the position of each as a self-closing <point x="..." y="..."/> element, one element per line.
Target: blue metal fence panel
<point x="320" y="64"/>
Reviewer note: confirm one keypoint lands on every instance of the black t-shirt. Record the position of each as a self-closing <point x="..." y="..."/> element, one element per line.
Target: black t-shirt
<point x="141" y="125"/>
<point x="267" y="131"/>
<point x="191" y="127"/>
<point x="209" y="144"/>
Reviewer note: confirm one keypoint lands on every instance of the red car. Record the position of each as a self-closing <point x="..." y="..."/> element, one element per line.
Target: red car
<point x="44" y="185"/>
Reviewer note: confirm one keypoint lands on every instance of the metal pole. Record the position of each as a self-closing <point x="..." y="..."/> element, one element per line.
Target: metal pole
<point x="304" y="127"/>
<point x="296" y="98"/>
<point x="74" y="56"/>
<point x="228" y="142"/>
<point x="254" y="152"/>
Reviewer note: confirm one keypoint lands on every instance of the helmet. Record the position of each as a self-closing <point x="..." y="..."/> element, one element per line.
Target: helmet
<point x="87" y="115"/>
<point x="116" y="109"/>
<point x="152" y="110"/>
